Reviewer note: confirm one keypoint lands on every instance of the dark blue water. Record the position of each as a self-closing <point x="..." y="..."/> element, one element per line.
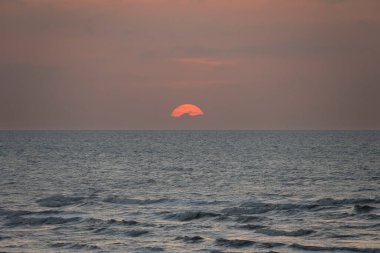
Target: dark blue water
<point x="190" y="191"/>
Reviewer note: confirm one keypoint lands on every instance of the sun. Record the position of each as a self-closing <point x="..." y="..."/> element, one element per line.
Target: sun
<point x="189" y="109"/>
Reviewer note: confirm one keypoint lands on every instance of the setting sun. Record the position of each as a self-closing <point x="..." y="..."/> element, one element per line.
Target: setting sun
<point x="190" y="109"/>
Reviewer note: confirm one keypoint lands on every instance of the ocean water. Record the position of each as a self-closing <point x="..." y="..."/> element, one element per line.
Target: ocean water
<point x="189" y="191"/>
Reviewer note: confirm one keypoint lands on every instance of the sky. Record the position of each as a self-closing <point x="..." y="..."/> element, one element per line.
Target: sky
<point x="248" y="64"/>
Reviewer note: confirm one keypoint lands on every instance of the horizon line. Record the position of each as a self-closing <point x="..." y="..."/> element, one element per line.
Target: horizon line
<point x="161" y="130"/>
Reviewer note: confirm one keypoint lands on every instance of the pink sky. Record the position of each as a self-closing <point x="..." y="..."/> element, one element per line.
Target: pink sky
<point x="249" y="64"/>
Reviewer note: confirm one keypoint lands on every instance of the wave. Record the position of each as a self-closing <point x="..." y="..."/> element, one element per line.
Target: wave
<point x="270" y="245"/>
<point x="330" y="249"/>
<point x="244" y="210"/>
<point x="248" y="218"/>
<point x="15" y="213"/>
<point x="343" y="236"/>
<point x="205" y="202"/>
<point x="274" y="232"/>
<point x="146" y="181"/>
<point x="149" y="249"/>
<point x="239" y="243"/>
<point x="129" y="201"/>
<point x="235" y="243"/>
<point x="107" y="230"/>
<point x="190" y="239"/>
<point x="251" y="226"/>
<point x="98" y="222"/>
<point x="253" y="207"/>
<point x="122" y="222"/>
<point x="75" y="246"/>
<point x="2" y="237"/>
<point x="373" y="216"/>
<point x="377" y="225"/>
<point x="106" y="226"/>
<point x="191" y="215"/>
<point x="363" y="208"/>
<point x="136" y="233"/>
<point x="223" y="218"/>
<point x="249" y="208"/>
<point x="353" y="201"/>
<point x="59" y="201"/>
<point x="337" y="215"/>
<point x="22" y="221"/>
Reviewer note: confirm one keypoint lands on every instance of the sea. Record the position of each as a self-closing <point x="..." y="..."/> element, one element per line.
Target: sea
<point x="190" y="191"/>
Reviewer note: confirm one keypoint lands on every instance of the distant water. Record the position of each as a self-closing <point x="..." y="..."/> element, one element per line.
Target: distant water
<point x="189" y="191"/>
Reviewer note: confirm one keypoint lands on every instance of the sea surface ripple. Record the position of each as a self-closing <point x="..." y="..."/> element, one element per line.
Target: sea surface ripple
<point x="190" y="191"/>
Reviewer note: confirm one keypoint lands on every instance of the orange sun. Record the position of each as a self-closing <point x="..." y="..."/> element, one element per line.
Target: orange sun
<point x="191" y="110"/>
